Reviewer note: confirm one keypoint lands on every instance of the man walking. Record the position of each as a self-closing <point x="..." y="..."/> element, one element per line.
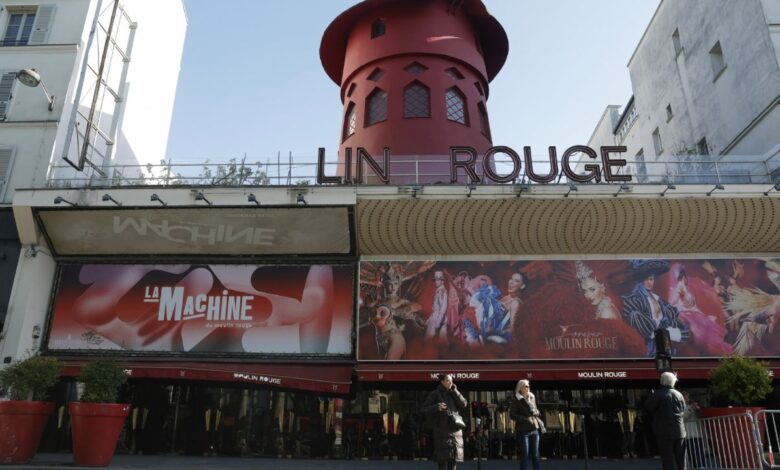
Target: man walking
<point x="667" y="406"/>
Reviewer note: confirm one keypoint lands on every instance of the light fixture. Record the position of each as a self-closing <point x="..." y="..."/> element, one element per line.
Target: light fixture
<point x="717" y="186"/>
<point x="572" y="187"/>
<point x="60" y="200"/>
<point x="155" y="197"/>
<point x="31" y="78"/>
<point x="623" y="187"/>
<point x="776" y="187"/>
<point x="471" y="187"/>
<point x="200" y="197"/>
<point x="522" y="188"/>
<point x="251" y="198"/>
<point x="301" y="200"/>
<point x="668" y="187"/>
<point x="107" y="197"/>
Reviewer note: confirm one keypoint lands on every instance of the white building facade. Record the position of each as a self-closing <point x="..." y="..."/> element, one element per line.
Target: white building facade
<point x="108" y="73"/>
<point x="706" y="84"/>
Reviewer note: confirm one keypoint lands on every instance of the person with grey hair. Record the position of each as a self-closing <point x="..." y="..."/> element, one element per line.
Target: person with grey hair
<point x="667" y="407"/>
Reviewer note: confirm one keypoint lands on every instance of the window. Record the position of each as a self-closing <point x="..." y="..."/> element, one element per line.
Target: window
<point x="5" y="166"/>
<point x="378" y="28"/>
<point x="7" y="81"/>
<point x="351" y="90"/>
<point x="702" y="148"/>
<point x="669" y="114"/>
<point x="350" y="121"/>
<point x="416" y="68"/>
<point x="456" y="106"/>
<point x="716" y="59"/>
<point x="417" y="101"/>
<point x="454" y="73"/>
<point x="484" y="125"/>
<point x="28" y="25"/>
<point x="376" y="107"/>
<point x="376" y="75"/>
<point x="479" y="88"/>
<point x="641" y="167"/>
<point x="676" y="42"/>
<point x="657" y="142"/>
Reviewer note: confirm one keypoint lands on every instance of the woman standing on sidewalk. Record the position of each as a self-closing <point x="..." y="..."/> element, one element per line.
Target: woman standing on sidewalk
<point x="440" y="407"/>
<point x="527" y="423"/>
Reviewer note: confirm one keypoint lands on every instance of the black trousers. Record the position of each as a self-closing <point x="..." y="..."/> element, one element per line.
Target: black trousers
<point x="672" y="453"/>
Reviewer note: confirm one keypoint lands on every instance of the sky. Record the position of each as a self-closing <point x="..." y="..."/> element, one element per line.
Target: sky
<point x="251" y="81"/>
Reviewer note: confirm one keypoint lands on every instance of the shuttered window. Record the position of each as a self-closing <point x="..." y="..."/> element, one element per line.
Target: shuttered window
<point x="5" y="166"/>
<point x="7" y="81"/>
<point x="43" y="22"/>
<point x="19" y="27"/>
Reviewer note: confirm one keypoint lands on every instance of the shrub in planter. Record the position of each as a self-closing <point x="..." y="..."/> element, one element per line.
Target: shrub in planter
<point x="739" y="385"/>
<point x="23" y="417"/>
<point x="97" y="419"/>
<point x="740" y="381"/>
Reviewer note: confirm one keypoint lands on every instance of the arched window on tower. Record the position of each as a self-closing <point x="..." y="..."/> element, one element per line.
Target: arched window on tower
<point x="484" y="124"/>
<point x="376" y="107"/>
<point x="456" y="106"/>
<point x="378" y="28"/>
<point x="417" y="101"/>
<point x="350" y="121"/>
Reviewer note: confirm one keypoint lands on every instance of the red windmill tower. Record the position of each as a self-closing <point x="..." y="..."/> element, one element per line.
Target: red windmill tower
<point x="414" y="78"/>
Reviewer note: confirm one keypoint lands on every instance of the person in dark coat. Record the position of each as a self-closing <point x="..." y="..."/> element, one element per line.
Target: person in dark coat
<point x="667" y="406"/>
<point x="523" y="410"/>
<point x="447" y="442"/>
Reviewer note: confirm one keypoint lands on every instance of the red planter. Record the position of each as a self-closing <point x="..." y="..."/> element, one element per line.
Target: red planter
<point x="733" y="440"/>
<point x="96" y="428"/>
<point x="21" y="427"/>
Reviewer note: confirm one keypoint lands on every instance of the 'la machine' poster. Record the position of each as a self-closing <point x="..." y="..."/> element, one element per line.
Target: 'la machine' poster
<point x="588" y="309"/>
<point x="265" y="309"/>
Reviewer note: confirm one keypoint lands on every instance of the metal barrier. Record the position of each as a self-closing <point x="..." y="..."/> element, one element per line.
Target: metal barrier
<point x="724" y="443"/>
<point x="768" y="427"/>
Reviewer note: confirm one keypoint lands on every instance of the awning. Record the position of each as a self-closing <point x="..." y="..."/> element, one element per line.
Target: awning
<point x="546" y="371"/>
<point x="330" y="378"/>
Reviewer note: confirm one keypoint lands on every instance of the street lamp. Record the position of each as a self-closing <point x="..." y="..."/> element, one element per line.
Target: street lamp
<point x="31" y="78"/>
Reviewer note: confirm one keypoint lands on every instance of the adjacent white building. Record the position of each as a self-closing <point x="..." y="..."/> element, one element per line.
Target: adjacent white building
<point x="706" y="85"/>
<point x="84" y="84"/>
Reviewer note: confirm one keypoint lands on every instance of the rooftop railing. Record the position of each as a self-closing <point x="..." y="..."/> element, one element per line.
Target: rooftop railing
<point x="299" y="171"/>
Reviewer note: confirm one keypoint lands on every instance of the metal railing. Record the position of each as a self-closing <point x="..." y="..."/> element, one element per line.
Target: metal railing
<point x="724" y="443"/>
<point x="768" y="427"/>
<point x="296" y="171"/>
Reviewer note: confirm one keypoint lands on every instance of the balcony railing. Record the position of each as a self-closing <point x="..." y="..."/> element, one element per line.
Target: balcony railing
<point x="690" y="169"/>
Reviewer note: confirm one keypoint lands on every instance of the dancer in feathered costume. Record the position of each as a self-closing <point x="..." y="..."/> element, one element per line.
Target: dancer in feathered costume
<point x="756" y="313"/>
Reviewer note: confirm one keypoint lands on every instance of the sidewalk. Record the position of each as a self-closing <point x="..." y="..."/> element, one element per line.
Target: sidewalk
<point x="168" y="462"/>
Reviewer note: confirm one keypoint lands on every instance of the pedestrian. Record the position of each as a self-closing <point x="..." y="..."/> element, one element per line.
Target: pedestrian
<point x="667" y="407"/>
<point x="528" y="426"/>
<point x="443" y="407"/>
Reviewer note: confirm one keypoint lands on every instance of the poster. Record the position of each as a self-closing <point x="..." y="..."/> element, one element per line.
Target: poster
<point x="259" y="309"/>
<point x="573" y="309"/>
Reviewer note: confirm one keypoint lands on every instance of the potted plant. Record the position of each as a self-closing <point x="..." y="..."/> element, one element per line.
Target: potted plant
<point x="97" y="419"/>
<point x="737" y="386"/>
<point x="23" y="417"/>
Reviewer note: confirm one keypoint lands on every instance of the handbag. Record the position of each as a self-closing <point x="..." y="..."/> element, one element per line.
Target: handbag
<point x="455" y="420"/>
<point x="541" y="427"/>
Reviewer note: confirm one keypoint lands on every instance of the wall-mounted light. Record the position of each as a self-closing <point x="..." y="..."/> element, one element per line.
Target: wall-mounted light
<point x="251" y="198"/>
<point x="522" y="188"/>
<point x="60" y="200"/>
<point x="155" y="197"/>
<point x="200" y="197"/>
<point x="572" y="187"/>
<point x="300" y="200"/>
<point x="31" y="78"/>
<point x="776" y="187"/>
<point x="107" y="197"/>
<point x="36" y="331"/>
<point x="717" y="187"/>
<point x="623" y="187"/>
<point x="472" y="187"/>
<point x="668" y="187"/>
